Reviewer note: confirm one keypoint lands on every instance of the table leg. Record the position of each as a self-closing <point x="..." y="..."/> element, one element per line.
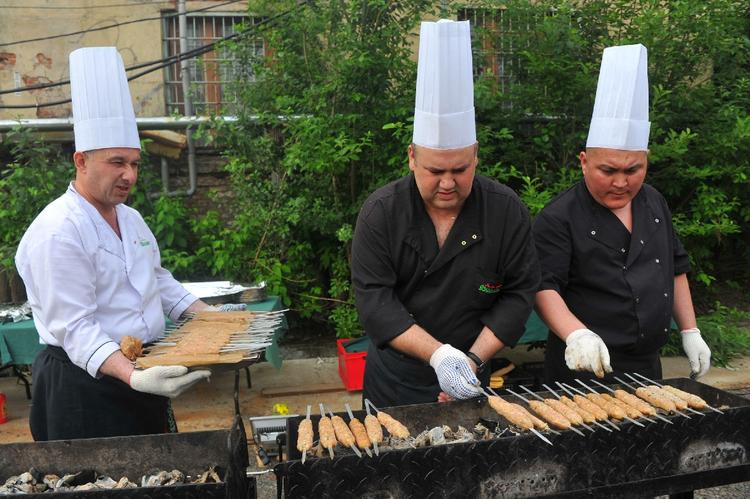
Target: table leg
<point x="21" y="376"/>
<point x="247" y="374"/>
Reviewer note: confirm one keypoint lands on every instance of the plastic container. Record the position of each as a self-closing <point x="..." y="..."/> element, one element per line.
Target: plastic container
<point x="351" y="365"/>
<point x="3" y="415"/>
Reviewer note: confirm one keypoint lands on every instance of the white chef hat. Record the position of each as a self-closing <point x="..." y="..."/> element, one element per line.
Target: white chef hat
<point x="620" y="117"/>
<point x="102" y="109"/>
<point x="444" y="107"/>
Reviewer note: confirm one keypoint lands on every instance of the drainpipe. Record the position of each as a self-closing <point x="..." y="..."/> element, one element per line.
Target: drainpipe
<point x="185" y="73"/>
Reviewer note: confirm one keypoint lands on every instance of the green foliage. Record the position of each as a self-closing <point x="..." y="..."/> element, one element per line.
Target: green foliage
<point x="36" y="174"/>
<point x="343" y="73"/>
<point x="725" y="331"/>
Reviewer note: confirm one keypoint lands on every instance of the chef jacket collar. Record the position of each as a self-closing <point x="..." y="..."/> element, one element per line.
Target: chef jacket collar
<point x="423" y="239"/>
<point x="606" y="228"/>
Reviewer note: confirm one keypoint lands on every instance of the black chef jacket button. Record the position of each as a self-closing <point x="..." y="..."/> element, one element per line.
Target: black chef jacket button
<point x="593" y="232"/>
<point x="425" y="272"/>
<point x="473" y="236"/>
<point x="638" y="300"/>
<point x="657" y="260"/>
<point x="666" y="330"/>
<point x="622" y="250"/>
<point x="656" y="220"/>
<point x="624" y="267"/>
<point x="666" y="295"/>
<point x="463" y="243"/>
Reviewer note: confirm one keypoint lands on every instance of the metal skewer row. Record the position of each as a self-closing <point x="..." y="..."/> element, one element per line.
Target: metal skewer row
<point x="594" y="391"/>
<point x="532" y="430"/>
<point x="570" y="389"/>
<point x="409" y="441"/>
<point x="625" y="383"/>
<point x="542" y="399"/>
<point x="553" y="392"/>
<point x="374" y="444"/>
<point x="662" y="386"/>
<point x="644" y="416"/>
<point x="645" y="386"/>
<point x="353" y="447"/>
<point x="572" y="428"/>
<point x="351" y="418"/>
<point x="323" y="414"/>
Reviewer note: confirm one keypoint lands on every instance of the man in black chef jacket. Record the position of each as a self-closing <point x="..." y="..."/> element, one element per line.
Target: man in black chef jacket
<point x="443" y="262"/>
<point x="613" y="268"/>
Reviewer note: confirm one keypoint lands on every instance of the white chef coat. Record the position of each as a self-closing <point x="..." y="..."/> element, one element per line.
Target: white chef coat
<point x="87" y="288"/>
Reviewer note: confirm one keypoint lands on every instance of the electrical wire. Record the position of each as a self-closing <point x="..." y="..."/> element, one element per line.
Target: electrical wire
<point x="109" y="26"/>
<point x="162" y="63"/>
<point x="75" y="7"/>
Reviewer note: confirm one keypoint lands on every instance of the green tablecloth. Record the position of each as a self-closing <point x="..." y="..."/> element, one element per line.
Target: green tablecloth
<point x="271" y="304"/>
<point x="19" y="341"/>
<point x="536" y="330"/>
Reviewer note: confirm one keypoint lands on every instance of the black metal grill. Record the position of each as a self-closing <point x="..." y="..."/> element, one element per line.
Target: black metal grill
<point x="695" y="453"/>
<point x="192" y="453"/>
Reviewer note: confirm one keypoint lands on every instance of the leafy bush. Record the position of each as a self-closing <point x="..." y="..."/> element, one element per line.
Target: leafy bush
<point x="726" y="332"/>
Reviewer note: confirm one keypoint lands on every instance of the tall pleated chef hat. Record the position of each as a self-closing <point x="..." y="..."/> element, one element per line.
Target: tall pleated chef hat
<point x="620" y="117"/>
<point x="444" y="107"/>
<point x="103" y="114"/>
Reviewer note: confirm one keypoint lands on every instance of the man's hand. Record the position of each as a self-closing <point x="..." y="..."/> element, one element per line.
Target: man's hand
<point x="587" y="352"/>
<point x="454" y="373"/>
<point x="167" y="381"/>
<point x="697" y="352"/>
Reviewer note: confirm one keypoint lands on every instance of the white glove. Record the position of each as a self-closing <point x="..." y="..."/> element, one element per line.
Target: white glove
<point x="233" y="307"/>
<point x="167" y="381"/>
<point x="587" y="352"/>
<point x="697" y="352"/>
<point x="454" y="373"/>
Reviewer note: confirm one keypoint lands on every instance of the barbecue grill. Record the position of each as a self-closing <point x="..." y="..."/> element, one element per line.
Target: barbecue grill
<point x="135" y="456"/>
<point x="692" y="453"/>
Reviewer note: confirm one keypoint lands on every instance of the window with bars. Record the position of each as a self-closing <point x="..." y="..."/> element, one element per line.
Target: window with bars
<point x="209" y="73"/>
<point x="499" y="35"/>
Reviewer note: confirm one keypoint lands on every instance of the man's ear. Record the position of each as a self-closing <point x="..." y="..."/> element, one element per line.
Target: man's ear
<point x="584" y="162"/>
<point x="412" y="154"/>
<point x="79" y="159"/>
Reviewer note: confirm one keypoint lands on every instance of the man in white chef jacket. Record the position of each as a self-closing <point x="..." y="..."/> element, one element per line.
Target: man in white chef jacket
<point x="93" y="275"/>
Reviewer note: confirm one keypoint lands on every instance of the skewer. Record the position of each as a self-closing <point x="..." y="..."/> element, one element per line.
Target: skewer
<point x="323" y="414"/>
<point x="550" y="429"/>
<point x="351" y="417"/>
<point x="625" y="383"/>
<point x="576" y="430"/>
<point x="567" y="388"/>
<point x="304" y="453"/>
<point x="676" y="410"/>
<point x="644" y="416"/>
<point x="626" y="416"/>
<point x="553" y="392"/>
<point x="353" y="447"/>
<point x="661" y="386"/>
<point x="374" y="444"/>
<point x="542" y="399"/>
<point x="532" y="430"/>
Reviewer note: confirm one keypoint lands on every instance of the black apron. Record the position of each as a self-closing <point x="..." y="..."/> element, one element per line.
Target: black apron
<point x="555" y="369"/>
<point x="393" y="379"/>
<point x="68" y="403"/>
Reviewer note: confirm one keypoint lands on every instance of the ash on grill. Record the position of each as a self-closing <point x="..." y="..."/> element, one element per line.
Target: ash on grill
<point x="33" y="481"/>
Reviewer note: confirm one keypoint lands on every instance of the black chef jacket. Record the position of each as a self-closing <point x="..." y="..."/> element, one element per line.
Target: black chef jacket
<point x="618" y="284"/>
<point x="486" y="274"/>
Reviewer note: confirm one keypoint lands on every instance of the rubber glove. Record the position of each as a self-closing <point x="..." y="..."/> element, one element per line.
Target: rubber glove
<point x="586" y="351"/>
<point x="167" y="381"/>
<point x="454" y="373"/>
<point x="697" y="352"/>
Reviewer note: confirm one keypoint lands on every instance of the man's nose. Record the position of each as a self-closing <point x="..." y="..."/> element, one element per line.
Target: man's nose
<point x="620" y="180"/>
<point x="447" y="181"/>
<point x="130" y="173"/>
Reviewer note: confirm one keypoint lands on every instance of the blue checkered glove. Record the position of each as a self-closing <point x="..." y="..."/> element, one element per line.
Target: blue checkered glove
<point x="454" y="373"/>
<point x="233" y="307"/>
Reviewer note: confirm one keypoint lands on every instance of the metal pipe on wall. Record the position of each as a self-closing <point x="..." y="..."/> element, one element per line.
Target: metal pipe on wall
<point x="185" y="75"/>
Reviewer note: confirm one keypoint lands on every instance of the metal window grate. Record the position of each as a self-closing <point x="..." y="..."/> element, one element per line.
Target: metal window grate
<point x="499" y="37"/>
<point x="209" y="73"/>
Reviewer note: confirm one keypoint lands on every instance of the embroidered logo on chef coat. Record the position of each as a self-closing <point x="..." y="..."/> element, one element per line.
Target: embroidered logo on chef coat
<point x="490" y="288"/>
<point x="144" y="242"/>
